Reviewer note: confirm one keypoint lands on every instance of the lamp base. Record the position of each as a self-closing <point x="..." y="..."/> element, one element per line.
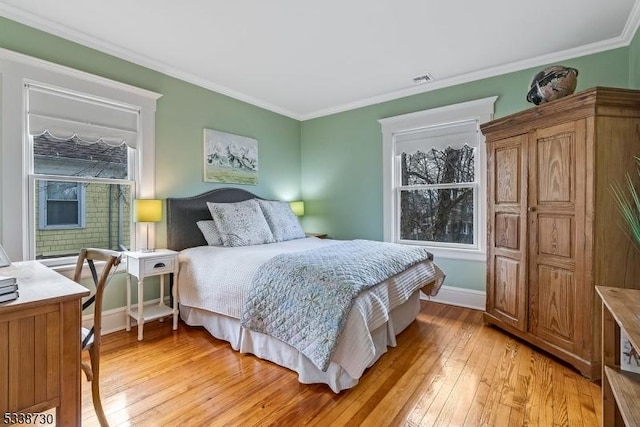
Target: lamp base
<point x="145" y="250"/>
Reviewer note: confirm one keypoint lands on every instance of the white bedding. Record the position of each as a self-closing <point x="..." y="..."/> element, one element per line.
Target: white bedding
<point x="213" y="283"/>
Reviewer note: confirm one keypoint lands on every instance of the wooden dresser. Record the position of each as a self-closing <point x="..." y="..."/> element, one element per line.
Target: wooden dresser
<point x="554" y="231"/>
<point x="40" y="344"/>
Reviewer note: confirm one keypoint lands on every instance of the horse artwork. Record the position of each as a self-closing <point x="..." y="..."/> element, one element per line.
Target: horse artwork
<point x="230" y="158"/>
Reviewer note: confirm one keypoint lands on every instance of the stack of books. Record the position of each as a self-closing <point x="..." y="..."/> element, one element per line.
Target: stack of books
<point x="8" y="288"/>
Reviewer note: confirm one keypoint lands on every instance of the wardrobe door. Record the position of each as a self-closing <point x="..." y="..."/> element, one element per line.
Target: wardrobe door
<point x="507" y="184"/>
<point x="556" y="233"/>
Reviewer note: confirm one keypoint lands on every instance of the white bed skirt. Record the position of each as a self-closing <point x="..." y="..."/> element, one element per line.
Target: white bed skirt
<point x="348" y="362"/>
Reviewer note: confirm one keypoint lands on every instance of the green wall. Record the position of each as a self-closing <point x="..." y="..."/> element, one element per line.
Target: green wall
<point x="634" y="62"/>
<point x="342" y="153"/>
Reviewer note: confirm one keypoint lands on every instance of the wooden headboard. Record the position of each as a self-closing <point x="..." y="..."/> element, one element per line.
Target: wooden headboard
<point x="184" y="212"/>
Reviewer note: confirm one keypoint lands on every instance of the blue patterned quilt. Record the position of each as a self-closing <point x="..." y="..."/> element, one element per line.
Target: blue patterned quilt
<point x="304" y="298"/>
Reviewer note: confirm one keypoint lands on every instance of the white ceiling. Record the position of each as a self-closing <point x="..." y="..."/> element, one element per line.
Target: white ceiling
<point x="306" y="59"/>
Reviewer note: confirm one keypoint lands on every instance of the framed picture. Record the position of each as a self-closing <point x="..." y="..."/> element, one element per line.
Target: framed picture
<point x="4" y="259"/>
<point x="629" y="356"/>
<point x="230" y="158"/>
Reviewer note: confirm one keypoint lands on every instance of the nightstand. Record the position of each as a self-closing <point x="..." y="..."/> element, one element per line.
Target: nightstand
<point x="149" y="264"/>
<point x="318" y="235"/>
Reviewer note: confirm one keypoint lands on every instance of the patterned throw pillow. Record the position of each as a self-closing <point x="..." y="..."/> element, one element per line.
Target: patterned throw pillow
<point x="241" y="224"/>
<point x="283" y="222"/>
<point x="210" y="232"/>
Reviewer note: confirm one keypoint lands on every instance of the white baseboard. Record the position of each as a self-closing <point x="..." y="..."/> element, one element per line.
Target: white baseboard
<point x="116" y="319"/>
<point x="461" y="297"/>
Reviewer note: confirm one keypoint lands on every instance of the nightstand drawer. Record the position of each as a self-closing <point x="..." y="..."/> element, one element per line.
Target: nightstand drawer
<point x="158" y="265"/>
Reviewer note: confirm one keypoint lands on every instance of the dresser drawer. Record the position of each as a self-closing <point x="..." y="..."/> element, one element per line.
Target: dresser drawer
<point x="161" y="265"/>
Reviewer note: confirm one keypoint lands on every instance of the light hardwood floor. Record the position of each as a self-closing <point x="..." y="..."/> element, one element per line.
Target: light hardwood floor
<point x="448" y="369"/>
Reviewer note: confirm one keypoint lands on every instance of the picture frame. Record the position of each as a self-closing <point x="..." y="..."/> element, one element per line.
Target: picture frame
<point x="230" y="158"/>
<point x="629" y="356"/>
<point x="4" y="259"/>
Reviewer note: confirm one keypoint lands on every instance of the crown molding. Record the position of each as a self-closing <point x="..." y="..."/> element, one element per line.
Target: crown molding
<point x="630" y="29"/>
<point x="10" y="55"/>
<point x="632" y="25"/>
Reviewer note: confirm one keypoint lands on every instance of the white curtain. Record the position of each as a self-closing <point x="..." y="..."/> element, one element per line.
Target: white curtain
<point x="64" y="115"/>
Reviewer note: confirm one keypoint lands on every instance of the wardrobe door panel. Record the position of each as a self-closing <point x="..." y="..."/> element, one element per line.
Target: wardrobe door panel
<point x="556" y="311"/>
<point x="555" y="167"/>
<point x="507" y="295"/>
<point x="555" y="236"/>
<point x="556" y="230"/>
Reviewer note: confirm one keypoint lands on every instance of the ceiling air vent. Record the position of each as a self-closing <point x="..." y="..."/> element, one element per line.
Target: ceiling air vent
<point x="425" y="78"/>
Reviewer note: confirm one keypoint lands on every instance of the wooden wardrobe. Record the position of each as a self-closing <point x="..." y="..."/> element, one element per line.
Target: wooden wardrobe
<point x="554" y="231"/>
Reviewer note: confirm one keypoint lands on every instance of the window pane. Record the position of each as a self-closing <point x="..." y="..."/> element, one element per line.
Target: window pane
<point x="435" y="166"/>
<point x="62" y="213"/>
<point x="62" y="204"/>
<point x="107" y="220"/>
<point x="444" y="216"/>
<point x="62" y="190"/>
<point x="77" y="158"/>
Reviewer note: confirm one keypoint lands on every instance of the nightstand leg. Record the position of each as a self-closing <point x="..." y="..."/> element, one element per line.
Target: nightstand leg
<point x="140" y="308"/>
<point x="128" y="322"/>
<point x="161" y="303"/>
<point x="174" y="298"/>
<point x="162" y="290"/>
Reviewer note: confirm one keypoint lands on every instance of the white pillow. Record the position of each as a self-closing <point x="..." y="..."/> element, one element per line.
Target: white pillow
<point x="210" y="232"/>
<point x="282" y="221"/>
<point x="241" y="224"/>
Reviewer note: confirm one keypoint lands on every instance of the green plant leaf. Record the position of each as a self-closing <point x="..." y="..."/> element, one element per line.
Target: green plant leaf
<point x="628" y="202"/>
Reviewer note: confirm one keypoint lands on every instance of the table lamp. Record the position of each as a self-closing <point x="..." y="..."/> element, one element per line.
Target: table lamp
<point x="297" y="207"/>
<point x="147" y="210"/>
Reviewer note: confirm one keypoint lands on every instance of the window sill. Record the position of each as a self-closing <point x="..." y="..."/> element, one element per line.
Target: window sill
<point x="66" y="270"/>
<point x="458" y="254"/>
<point x="449" y="253"/>
<point x="69" y="269"/>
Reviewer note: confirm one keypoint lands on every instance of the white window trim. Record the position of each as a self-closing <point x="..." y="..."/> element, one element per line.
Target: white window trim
<point x="16" y="70"/>
<point x="480" y="110"/>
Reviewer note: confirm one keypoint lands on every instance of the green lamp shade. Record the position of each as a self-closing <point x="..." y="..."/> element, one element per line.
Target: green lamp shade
<point x="297" y="207"/>
<point x="147" y="210"/>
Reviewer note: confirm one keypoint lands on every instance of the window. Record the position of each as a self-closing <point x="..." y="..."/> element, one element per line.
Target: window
<point x="434" y="179"/>
<point x="83" y="151"/>
<point x="437" y="184"/>
<point x="18" y="121"/>
<point x="61" y="205"/>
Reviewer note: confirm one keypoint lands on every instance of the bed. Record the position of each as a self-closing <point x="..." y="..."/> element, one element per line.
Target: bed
<point x="217" y="290"/>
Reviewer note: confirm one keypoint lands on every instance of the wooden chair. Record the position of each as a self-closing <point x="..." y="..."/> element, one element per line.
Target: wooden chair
<point x="91" y="338"/>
